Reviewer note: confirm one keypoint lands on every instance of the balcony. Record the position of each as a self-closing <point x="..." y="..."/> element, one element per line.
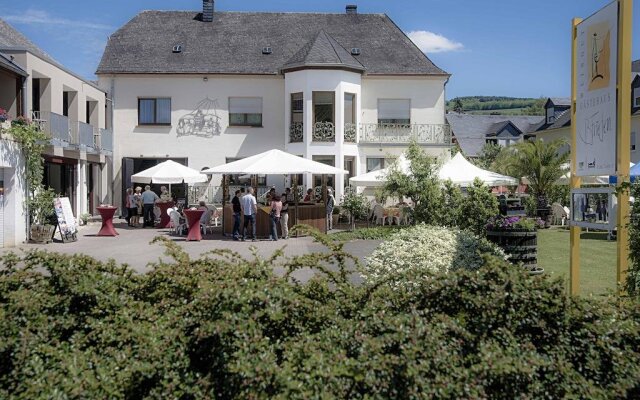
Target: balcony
<point x="296" y="132"/>
<point x="55" y="125"/>
<point x="350" y="133"/>
<point x="425" y="134"/>
<point x="324" y="132"/>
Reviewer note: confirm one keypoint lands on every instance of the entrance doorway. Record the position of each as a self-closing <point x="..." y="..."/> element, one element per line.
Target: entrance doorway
<point x="131" y="166"/>
<point x="60" y="175"/>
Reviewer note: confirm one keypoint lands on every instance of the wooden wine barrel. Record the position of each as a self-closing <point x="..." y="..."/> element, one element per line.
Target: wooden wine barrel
<point x="522" y="246"/>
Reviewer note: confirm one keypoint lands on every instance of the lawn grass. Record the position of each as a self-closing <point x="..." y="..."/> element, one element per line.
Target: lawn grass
<point x="597" y="259"/>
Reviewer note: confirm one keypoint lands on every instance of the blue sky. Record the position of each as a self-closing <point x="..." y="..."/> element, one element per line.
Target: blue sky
<point x="492" y="47"/>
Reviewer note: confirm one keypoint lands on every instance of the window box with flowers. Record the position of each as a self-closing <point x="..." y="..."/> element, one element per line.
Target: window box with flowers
<point x="5" y="123"/>
<point x="518" y="237"/>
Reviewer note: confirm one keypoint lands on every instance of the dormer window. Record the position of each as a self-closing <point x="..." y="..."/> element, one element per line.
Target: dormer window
<point x="551" y="115"/>
<point x="636" y="97"/>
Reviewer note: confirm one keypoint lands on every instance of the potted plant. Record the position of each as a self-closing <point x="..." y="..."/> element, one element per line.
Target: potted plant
<point x="5" y="124"/>
<point x="518" y="237"/>
<point x="335" y="215"/>
<point x="84" y="218"/>
<point x="42" y="216"/>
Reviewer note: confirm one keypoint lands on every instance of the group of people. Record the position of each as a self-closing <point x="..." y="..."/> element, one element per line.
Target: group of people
<point x="245" y="205"/>
<point x="141" y="204"/>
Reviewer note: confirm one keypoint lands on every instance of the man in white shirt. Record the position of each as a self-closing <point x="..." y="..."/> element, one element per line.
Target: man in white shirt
<point x="249" y="211"/>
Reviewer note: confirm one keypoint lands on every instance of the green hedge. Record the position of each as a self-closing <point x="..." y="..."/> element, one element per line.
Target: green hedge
<point x="228" y="328"/>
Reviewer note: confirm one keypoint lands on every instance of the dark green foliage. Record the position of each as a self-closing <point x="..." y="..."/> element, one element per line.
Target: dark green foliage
<point x="372" y="233"/>
<point x="452" y="202"/>
<point x="477" y="207"/>
<point x="633" y="277"/>
<point x="222" y="327"/>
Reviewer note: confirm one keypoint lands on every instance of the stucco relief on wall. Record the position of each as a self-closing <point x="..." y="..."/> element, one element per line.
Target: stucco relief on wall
<point x="203" y="121"/>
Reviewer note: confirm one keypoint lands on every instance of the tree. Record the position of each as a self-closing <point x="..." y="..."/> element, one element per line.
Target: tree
<point x="477" y="207"/>
<point x="540" y="162"/>
<point x="536" y="108"/>
<point x="488" y="155"/>
<point x="451" y="204"/>
<point x="421" y="184"/>
<point x="457" y="105"/>
<point x="357" y="205"/>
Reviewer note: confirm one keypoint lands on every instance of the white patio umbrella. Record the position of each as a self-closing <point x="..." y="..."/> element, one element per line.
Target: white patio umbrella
<point x="275" y="162"/>
<point x="461" y="172"/>
<point x="169" y="172"/>
<point x="377" y="178"/>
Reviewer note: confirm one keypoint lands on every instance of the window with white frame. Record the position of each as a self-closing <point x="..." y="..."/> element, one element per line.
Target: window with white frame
<point x="633" y="141"/>
<point x="245" y="111"/>
<point x="394" y="111"/>
<point x="154" y="111"/>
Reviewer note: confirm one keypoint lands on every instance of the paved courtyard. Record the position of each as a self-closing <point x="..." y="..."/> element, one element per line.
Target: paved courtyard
<point x="133" y="247"/>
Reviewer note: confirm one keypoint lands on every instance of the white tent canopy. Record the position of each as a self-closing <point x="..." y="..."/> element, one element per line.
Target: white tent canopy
<point x="274" y="162"/>
<point x="458" y="170"/>
<point x="169" y="172"/>
<point x="461" y="172"/>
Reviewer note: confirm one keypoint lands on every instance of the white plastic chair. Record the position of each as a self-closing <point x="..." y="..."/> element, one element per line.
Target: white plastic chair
<point x="378" y="213"/>
<point x="176" y="226"/>
<point x="559" y="213"/>
<point x="205" y="222"/>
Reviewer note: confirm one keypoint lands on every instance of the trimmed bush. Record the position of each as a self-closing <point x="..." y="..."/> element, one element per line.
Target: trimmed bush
<point x="224" y="327"/>
<point x="426" y="250"/>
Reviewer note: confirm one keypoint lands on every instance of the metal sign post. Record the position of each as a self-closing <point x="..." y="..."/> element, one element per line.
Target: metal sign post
<point x="601" y="116"/>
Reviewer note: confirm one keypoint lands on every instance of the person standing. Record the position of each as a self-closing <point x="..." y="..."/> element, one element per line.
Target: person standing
<point x="237" y="213"/>
<point x="132" y="208"/>
<point x="276" y="209"/>
<point x="127" y="206"/>
<point x="249" y="212"/>
<point x="284" y="214"/>
<point x="149" y="199"/>
<point x="137" y="196"/>
<point x="331" y="202"/>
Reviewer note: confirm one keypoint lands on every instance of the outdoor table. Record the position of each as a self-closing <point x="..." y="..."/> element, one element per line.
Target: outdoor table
<point x="193" y="220"/>
<point x="165" y="220"/>
<point x="393" y="212"/>
<point x="107" y="221"/>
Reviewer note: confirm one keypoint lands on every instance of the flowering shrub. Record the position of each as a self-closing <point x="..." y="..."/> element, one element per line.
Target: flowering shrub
<point x="424" y="250"/>
<point x="501" y="222"/>
<point x="4" y="115"/>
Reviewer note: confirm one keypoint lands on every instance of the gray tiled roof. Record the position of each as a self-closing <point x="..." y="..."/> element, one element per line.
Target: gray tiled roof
<point x="11" y="39"/>
<point x="323" y="51"/>
<point x="233" y="43"/>
<point x="635" y="66"/>
<point x="7" y="63"/>
<point x="561" y="101"/>
<point x="471" y="130"/>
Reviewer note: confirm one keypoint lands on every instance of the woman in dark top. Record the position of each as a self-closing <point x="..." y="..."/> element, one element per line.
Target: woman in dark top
<point x="237" y="212"/>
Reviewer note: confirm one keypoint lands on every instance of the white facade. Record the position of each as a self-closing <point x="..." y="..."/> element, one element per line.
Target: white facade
<point x="13" y="222"/>
<point x="72" y="111"/>
<point x="213" y="92"/>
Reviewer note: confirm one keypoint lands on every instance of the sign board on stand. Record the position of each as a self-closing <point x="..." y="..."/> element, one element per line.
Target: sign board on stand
<point x="66" y="221"/>
<point x="596" y="103"/>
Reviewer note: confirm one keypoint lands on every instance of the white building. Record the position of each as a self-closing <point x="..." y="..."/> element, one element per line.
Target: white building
<point x="72" y="111"/>
<point x="205" y="88"/>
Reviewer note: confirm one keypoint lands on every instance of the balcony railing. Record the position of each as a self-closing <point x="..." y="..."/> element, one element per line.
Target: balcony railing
<point x="350" y="133"/>
<point x="296" y="132"/>
<point x="83" y="135"/>
<point x="106" y="140"/>
<point x="56" y="125"/>
<point x="324" y="132"/>
<point x="435" y="134"/>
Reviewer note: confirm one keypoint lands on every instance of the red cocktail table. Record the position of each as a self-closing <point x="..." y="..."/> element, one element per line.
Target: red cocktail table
<point x="107" y="228"/>
<point x="165" y="220"/>
<point x="193" y="220"/>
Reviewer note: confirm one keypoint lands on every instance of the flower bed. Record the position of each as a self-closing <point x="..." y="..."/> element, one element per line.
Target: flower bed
<point x="424" y="250"/>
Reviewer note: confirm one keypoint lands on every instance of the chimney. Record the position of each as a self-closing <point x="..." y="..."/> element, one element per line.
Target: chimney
<point x="351" y="9"/>
<point x="207" y="10"/>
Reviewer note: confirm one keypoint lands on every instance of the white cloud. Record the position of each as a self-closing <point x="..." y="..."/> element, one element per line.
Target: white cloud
<point x="430" y="42"/>
<point x="32" y="16"/>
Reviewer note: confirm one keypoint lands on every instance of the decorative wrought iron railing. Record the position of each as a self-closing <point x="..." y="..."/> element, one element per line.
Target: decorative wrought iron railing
<point x="350" y="132"/>
<point x="324" y="132"/>
<point x="296" y="132"/>
<point x="435" y="134"/>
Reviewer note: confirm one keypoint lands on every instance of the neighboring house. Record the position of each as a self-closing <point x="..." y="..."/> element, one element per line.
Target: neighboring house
<point x="72" y="111"/>
<point x="209" y="87"/>
<point x="13" y="223"/>
<point x="561" y="127"/>
<point x="472" y="132"/>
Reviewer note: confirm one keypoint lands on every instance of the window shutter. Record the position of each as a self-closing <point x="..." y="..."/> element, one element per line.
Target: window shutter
<point x="245" y="105"/>
<point x="394" y="109"/>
